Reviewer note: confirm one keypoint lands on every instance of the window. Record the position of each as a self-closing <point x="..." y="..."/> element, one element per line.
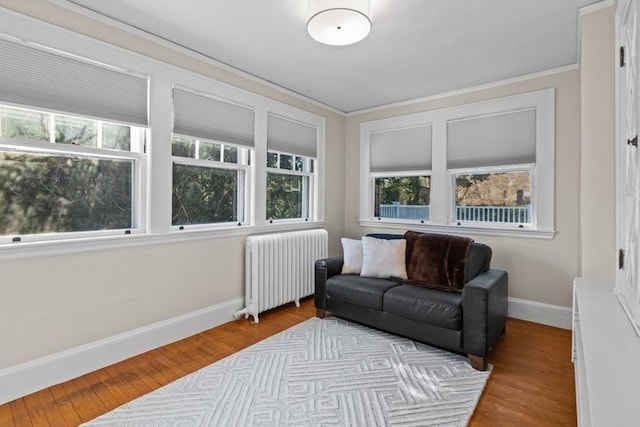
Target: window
<point x="484" y="166"/>
<point x="491" y="159"/>
<point x="292" y="148"/>
<point x="400" y="164"/>
<point x="97" y="141"/>
<point x="64" y="174"/>
<point x="72" y="135"/>
<point x="210" y="152"/>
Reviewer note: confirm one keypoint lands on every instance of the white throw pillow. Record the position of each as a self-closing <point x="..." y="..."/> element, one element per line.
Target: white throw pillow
<point x="352" y="250"/>
<point x="384" y="258"/>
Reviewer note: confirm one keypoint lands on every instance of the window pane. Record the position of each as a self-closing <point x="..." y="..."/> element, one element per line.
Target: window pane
<point x="285" y="196"/>
<point x="405" y="197"/>
<point x="272" y="160"/>
<point x="230" y="154"/>
<point x="286" y="162"/>
<point x="42" y="193"/>
<point x="203" y="195"/>
<point x="77" y="131"/>
<point x="116" y="137"/>
<point x="300" y="164"/>
<point x="494" y="197"/>
<point x="209" y="151"/>
<point x="23" y="124"/>
<point x="183" y="147"/>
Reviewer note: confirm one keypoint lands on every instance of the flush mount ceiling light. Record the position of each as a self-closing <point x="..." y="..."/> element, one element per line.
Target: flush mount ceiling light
<point x="339" y="22"/>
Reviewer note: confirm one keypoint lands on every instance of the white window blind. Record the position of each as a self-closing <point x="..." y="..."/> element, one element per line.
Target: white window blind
<point x="401" y="150"/>
<point x="495" y="140"/>
<point x="291" y="137"/>
<point x="38" y="78"/>
<point x="203" y="117"/>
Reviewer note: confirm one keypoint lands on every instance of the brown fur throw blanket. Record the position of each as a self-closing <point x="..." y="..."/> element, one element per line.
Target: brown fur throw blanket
<point x="437" y="261"/>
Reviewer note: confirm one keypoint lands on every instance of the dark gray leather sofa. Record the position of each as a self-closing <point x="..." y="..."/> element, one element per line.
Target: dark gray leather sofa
<point x="468" y="322"/>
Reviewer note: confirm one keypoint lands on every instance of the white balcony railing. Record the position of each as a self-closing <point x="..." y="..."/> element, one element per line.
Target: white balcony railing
<point x="504" y="214"/>
<point x="495" y="214"/>
<point x="396" y="210"/>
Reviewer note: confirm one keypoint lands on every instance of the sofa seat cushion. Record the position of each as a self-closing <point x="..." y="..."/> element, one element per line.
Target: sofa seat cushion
<point x="424" y="305"/>
<point x="362" y="291"/>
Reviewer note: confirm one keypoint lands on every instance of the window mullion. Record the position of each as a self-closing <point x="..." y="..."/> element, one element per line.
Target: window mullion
<point x="159" y="174"/>
<point x="441" y="189"/>
<point x="259" y="178"/>
<point x="305" y="198"/>
<point x="99" y="135"/>
<point x="52" y="128"/>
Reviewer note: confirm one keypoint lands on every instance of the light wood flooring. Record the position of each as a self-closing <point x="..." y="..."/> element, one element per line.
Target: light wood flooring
<point x="532" y="382"/>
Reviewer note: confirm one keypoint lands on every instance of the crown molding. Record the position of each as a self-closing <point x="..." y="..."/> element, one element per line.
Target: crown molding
<point x="471" y="89"/>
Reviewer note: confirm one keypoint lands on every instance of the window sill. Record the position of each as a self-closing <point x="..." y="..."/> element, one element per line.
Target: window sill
<point x="22" y="250"/>
<point x="457" y="229"/>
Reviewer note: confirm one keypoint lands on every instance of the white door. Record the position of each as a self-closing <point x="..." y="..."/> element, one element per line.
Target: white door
<point x="628" y="160"/>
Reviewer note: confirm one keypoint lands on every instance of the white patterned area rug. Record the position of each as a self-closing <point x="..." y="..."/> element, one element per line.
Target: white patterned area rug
<point x="322" y="372"/>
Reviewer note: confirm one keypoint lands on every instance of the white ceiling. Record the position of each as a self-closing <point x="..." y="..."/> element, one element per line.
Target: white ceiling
<point x="416" y="48"/>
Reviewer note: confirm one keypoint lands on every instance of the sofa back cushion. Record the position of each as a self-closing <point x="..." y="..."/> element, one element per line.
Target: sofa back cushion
<point x="478" y="262"/>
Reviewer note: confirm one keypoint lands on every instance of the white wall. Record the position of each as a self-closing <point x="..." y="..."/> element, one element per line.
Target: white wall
<point x="56" y="303"/>
<point x="597" y="151"/>
<point x="539" y="270"/>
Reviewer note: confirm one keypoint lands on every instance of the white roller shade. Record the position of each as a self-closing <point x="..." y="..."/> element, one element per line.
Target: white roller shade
<point x="45" y="80"/>
<point x="401" y="150"/>
<point x="291" y="137"/>
<point x="497" y="140"/>
<point x="203" y="117"/>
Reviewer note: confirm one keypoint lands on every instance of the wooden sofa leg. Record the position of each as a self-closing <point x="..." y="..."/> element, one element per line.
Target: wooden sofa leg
<point x="478" y="362"/>
<point x="320" y="313"/>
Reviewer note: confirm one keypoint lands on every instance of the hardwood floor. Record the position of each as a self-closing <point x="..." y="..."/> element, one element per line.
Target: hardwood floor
<point x="531" y="383"/>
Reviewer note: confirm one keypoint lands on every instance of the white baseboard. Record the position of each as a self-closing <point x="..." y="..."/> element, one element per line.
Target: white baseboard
<point x="547" y="314"/>
<point x="29" y="377"/>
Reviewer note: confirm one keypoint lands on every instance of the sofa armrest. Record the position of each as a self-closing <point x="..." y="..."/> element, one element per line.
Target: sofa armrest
<point x="324" y="269"/>
<point x="484" y="311"/>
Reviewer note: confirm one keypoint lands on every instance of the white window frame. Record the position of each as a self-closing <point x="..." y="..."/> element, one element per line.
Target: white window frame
<point x="50" y="147"/>
<point x="308" y="189"/>
<point x="243" y="188"/>
<point x="442" y="189"/>
<point x="316" y="208"/>
<point x="367" y="178"/>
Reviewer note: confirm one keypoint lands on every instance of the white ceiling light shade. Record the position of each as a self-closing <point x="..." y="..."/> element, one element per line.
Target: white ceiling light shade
<point x="339" y="22"/>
